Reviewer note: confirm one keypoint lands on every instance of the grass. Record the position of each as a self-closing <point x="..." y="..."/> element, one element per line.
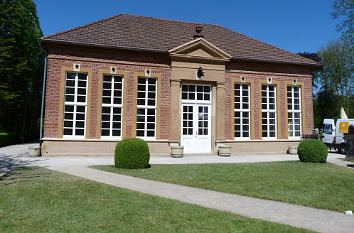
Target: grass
<point x="40" y="200"/>
<point x="324" y="186"/>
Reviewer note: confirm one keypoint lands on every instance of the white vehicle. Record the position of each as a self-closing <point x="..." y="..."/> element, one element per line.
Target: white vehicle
<point x="333" y="133"/>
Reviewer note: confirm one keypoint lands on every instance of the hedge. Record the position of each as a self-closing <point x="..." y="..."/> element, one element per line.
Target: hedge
<point x="8" y="139"/>
<point x="313" y="151"/>
<point x="132" y="153"/>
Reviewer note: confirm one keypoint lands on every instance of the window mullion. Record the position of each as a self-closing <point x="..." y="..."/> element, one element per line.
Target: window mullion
<point x="111" y="108"/>
<point x="293" y="109"/>
<point x="146" y="105"/>
<point x="74" y="121"/>
<point x="76" y="87"/>
<point x="275" y="112"/>
<point x="268" y="112"/>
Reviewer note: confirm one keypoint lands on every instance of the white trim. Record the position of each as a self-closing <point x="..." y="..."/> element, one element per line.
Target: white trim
<point x="195" y="142"/>
<point x="75" y="104"/>
<point x="262" y="140"/>
<point x="146" y="107"/>
<point x="241" y="111"/>
<point x="112" y="105"/>
<point x="268" y="111"/>
<point x="293" y="111"/>
<point x="195" y="100"/>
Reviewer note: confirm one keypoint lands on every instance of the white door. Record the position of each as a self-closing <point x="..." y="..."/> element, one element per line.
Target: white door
<point x="196" y="119"/>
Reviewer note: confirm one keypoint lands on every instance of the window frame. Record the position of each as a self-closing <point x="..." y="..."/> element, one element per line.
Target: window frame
<point x="195" y="93"/>
<point x="146" y="107"/>
<point x="75" y="104"/>
<point x="111" y="105"/>
<point x="293" y="111"/>
<point x="268" y="111"/>
<point x="241" y="110"/>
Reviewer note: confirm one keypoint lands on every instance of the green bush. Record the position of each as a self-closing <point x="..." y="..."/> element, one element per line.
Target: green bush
<point x="132" y="153"/>
<point x="313" y="151"/>
<point x="8" y="139"/>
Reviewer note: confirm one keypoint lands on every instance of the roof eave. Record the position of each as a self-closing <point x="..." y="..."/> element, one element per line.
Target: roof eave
<point x="46" y="40"/>
<point x="314" y="65"/>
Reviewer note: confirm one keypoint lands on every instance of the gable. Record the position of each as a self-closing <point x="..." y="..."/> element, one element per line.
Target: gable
<point x="199" y="52"/>
<point x="199" y="48"/>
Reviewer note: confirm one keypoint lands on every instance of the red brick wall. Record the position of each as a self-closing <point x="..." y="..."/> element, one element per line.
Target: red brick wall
<point x="160" y="64"/>
<point x="52" y="95"/>
<point x="55" y="64"/>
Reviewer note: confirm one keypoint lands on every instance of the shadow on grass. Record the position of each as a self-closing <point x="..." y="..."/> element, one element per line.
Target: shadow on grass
<point x="22" y="174"/>
<point x="11" y="164"/>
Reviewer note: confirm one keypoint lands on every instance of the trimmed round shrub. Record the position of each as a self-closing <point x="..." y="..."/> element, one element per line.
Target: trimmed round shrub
<point x="132" y="153"/>
<point x="313" y="151"/>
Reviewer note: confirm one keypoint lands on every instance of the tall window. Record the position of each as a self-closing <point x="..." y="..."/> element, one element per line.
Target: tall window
<point x="112" y="103"/>
<point x="294" y="111"/>
<point x="75" y="104"/>
<point x="146" y="108"/>
<point x="269" y="111"/>
<point x="242" y="110"/>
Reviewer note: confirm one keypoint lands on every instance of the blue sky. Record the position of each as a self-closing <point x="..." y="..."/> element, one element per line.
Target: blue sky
<point x="293" y="25"/>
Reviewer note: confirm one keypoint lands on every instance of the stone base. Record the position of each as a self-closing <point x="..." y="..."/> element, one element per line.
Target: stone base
<point x="160" y="147"/>
<point x="58" y="147"/>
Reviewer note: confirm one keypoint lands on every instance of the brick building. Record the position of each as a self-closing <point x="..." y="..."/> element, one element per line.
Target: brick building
<point x="172" y="82"/>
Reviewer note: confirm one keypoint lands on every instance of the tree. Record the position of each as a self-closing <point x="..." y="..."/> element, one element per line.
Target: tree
<point x="326" y="105"/>
<point x="345" y="9"/>
<point x="20" y="67"/>
<point x="337" y="72"/>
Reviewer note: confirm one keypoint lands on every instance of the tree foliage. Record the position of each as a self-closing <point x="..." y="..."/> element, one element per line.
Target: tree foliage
<point x="326" y="105"/>
<point x="334" y="81"/>
<point x="344" y="9"/>
<point x="20" y="65"/>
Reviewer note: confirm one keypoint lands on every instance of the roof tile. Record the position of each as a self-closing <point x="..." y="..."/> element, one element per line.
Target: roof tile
<point x="139" y="32"/>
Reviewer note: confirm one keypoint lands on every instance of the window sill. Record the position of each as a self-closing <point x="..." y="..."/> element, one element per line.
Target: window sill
<point x="261" y="140"/>
<point x="99" y="139"/>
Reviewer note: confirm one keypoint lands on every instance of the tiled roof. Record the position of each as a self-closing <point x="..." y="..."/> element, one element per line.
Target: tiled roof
<point x="146" y="33"/>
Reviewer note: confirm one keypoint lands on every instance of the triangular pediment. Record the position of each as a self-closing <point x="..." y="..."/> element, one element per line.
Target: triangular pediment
<point x="201" y="49"/>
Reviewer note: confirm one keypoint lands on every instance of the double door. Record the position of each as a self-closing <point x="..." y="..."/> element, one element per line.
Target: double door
<point x="196" y="128"/>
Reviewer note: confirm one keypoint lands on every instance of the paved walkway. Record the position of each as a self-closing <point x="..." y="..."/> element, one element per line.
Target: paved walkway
<point x="294" y="215"/>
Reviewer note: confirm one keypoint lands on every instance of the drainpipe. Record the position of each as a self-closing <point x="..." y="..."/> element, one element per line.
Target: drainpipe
<point x="43" y="98"/>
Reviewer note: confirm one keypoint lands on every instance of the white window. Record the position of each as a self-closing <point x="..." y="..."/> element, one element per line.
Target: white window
<point x="269" y="112"/>
<point x="75" y="104"/>
<point x="112" y="104"/>
<point x="146" y="108"/>
<point x="242" y="111"/>
<point x="196" y="93"/>
<point x="294" y="112"/>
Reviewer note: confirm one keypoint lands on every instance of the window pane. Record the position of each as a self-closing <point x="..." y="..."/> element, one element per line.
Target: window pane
<point x="141" y="87"/>
<point x="68" y="124"/>
<point x="140" y="133"/>
<point x="68" y="132"/>
<point x="81" y="99"/>
<point x="80" y="109"/>
<point x="79" y="132"/>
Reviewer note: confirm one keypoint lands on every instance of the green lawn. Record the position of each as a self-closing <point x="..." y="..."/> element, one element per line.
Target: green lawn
<point x="324" y="186"/>
<point x="40" y="200"/>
